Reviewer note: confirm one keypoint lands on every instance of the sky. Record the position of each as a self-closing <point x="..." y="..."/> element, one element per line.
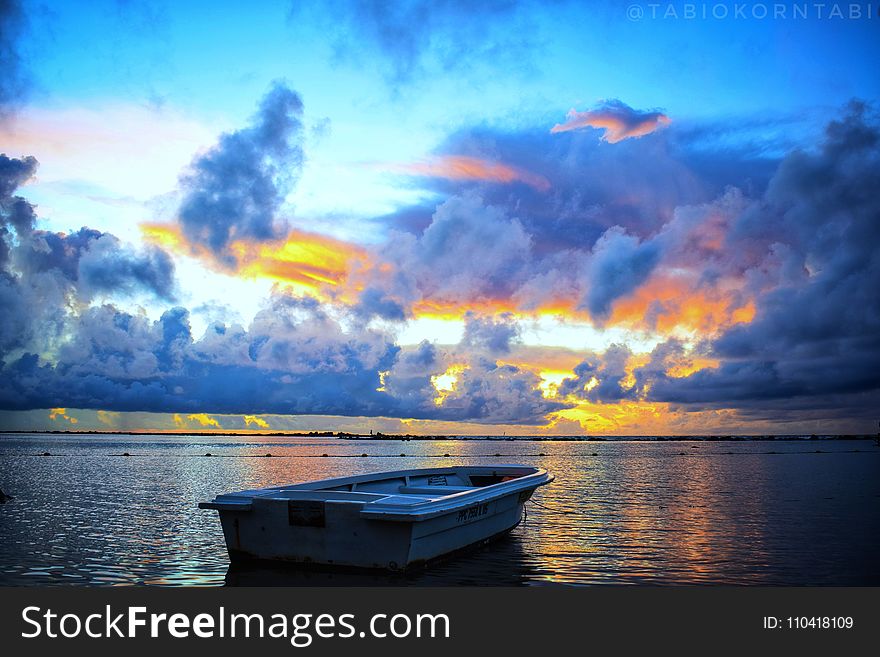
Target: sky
<point x="448" y="217"/>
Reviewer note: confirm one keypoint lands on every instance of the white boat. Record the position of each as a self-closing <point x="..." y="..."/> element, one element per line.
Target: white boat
<point x="388" y="520"/>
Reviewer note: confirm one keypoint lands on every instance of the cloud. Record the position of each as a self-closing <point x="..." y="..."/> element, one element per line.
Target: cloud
<point x="204" y="420"/>
<point x="374" y="302"/>
<point x="464" y="385"/>
<point x="805" y="346"/>
<point x="61" y="414"/>
<point x="491" y="255"/>
<point x="91" y="262"/>
<point x="808" y="253"/>
<point x="618" y="120"/>
<point x="762" y="299"/>
<point x="600" y="239"/>
<point x="13" y="72"/>
<point x="632" y="235"/>
<point x="497" y="393"/>
<point x="43" y="274"/>
<point x="15" y="212"/>
<point x="411" y="38"/>
<point x="464" y="167"/>
<point x="110" y="267"/>
<point x="234" y="191"/>
<point x="309" y="261"/>
<point x="492" y="335"/>
<point x="602" y="378"/>
<point x="292" y="359"/>
<point x="636" y="185"/>
<point x="619" y="264"/>
<point x="257" y="421"/>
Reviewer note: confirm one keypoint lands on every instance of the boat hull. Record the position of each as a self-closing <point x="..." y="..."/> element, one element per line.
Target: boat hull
<point x="310" y="528"/>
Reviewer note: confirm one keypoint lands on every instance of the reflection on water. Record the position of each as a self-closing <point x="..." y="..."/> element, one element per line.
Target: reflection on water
<point x="619" y="512"/>
<point x="502" y="563"/>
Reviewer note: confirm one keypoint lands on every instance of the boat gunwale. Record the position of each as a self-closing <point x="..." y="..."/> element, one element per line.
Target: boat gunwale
<point x="380" y="509"/>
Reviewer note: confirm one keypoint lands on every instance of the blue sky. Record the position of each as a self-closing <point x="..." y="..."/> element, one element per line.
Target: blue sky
<point x="419" y="130"/>
<point x="213" y="58"/>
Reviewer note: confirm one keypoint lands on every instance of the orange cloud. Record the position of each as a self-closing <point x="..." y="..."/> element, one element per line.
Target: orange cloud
<point x="621" y="418"/>
<point x="688" y="366"/>
<point x="333" y="270"/>
<point x="307" y="261"/>
<point x="458" y="308"/>
<point x="61" y="414"/>
<point x="253" y="419"/>
<point x="672" y="304"/>
<point x="204" y="420"/>
<point x="464" y="167"/>
<point x="544" y="359"/>
<point x="618" y="120"/>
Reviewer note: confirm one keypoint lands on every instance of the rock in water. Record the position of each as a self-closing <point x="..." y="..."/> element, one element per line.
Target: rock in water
<point x="4" y="498"/>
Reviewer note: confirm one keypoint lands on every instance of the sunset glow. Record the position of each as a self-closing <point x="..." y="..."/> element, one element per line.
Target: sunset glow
<point x="539" y="235"/>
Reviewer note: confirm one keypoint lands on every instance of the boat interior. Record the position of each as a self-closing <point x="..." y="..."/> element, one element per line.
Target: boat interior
<point x="423" y="484"/>
<point x="404" y="487"/>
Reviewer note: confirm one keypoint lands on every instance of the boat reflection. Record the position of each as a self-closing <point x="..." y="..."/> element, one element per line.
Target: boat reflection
<point x="501" y="563"/>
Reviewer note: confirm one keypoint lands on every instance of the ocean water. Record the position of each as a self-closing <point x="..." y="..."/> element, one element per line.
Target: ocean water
<point x="619" y="512"/>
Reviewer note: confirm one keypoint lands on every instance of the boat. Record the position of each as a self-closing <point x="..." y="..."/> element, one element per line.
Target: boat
<point x="397" y="520"/>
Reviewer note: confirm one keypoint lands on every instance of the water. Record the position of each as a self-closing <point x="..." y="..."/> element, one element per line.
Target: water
<point x="775" y="513"/>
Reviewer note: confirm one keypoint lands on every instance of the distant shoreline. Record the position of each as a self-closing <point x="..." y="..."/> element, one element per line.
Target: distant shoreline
<point x="410" y="437"/>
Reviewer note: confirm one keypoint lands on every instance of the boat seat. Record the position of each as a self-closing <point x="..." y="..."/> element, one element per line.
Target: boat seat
<point x="435" y="490"/>
<point x="405" y="500"/>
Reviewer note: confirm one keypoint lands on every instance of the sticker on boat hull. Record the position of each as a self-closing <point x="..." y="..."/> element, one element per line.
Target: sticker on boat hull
<point x="472" y="512"/>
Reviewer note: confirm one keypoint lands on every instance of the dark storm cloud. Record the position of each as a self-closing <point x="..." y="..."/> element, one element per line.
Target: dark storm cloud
<point x="94" y="262"/>
<point x="110" y="267"/>
<point x="292" y="359"/>
<point x="823" y="207"/>
<point x="234" y="190"/>
<point x="16" y="214"/>
<point x="14" y="172"/>
<point x="613" y="215"/>
<point x="43" y="273"/>
<point x="806" y="251"/>
<point x="810" y="251"/>
<point x="13" y="72"/>
<point x="636" y="184"/>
